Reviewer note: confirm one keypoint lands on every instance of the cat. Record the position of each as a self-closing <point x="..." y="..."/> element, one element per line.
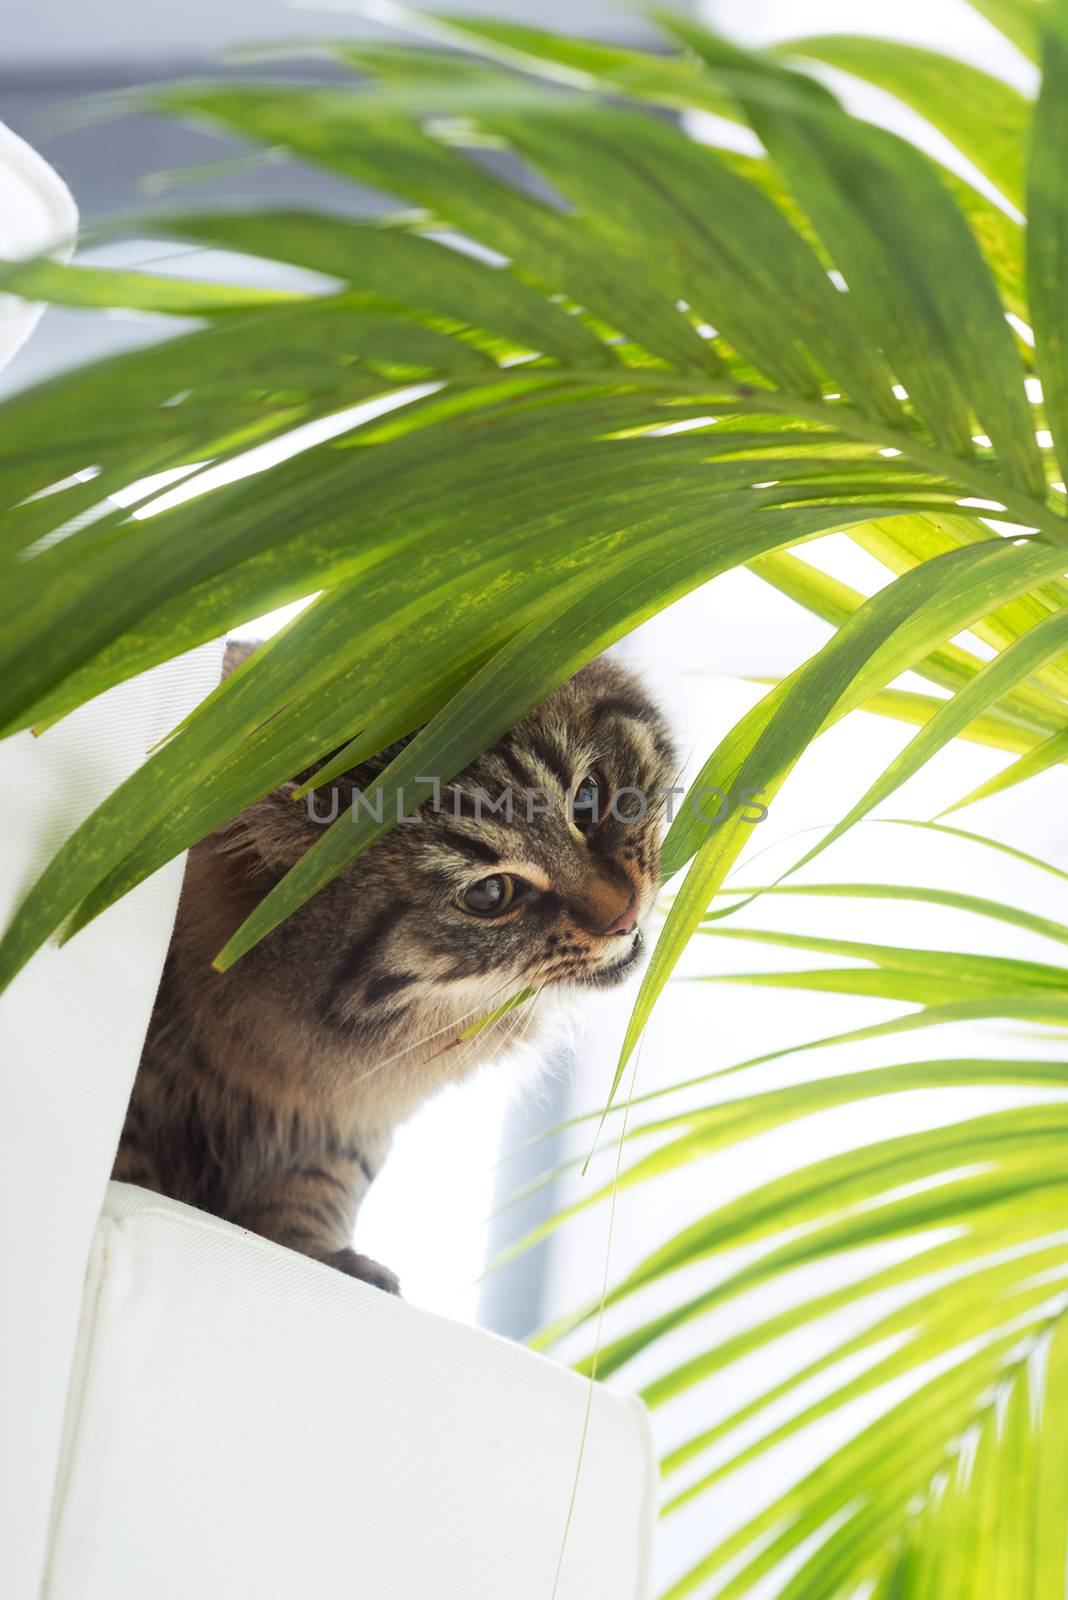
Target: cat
<point x="268" y="1094"/>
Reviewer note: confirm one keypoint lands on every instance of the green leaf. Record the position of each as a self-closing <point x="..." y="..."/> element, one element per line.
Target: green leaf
<point x="877" y="1192"/>
<point x="1026" y="921"/>
<point x="717" y="242"/>
<point x="1018" y="20"/>
<point x="965" y="1281"/>
<point x="951" y="666"/>
<point x="900" y="543"/>
<point x="136" y="291"/>
<point x="673" y="81"/>
<point x="240" y="384"/>
<point x="1044" y="643"/>
<point x="897" y="626"/>
<point x="1047" y="234"/>
<point x="355" y="136"/>
<point x="902" y="705"/>
<point x="890" y="226"/>
<point x="982" y="1302"/>
<point x="242" y="562"/>
<point x="923" y="976"/>
<point x="1040" y="759"/>
<point x="381" y="260"/>
<point x="1049" y="1534"/>
<point x="518" y="999"/>
<point x="985" y="118"/>
<point x="1007" y="850"/>
<point x="693" y="1135"/>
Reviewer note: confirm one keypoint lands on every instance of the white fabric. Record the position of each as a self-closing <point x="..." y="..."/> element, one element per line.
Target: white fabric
<point x="246" y="1422"/>
<point x="71" y="1029"/>
<point x="37" y="214"/>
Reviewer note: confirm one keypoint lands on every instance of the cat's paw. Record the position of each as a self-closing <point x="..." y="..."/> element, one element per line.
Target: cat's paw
<point x="357" y="1266"/>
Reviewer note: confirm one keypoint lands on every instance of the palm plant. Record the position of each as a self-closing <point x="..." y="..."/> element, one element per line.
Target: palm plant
<point x="674" y="360"/>
<point x="920" y="1281"/>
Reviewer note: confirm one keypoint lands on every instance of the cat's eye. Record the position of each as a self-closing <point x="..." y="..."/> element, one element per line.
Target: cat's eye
<point x="489" y="896"/>
<point x="589" y="803"/>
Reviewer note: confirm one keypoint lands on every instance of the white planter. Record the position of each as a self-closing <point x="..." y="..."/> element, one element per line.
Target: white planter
<point x="37" y="214"/>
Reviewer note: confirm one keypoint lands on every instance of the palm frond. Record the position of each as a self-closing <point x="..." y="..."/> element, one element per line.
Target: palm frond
<point x="948" y="1356"/>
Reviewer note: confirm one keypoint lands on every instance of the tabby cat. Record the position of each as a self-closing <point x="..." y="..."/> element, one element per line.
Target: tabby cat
<point x="268" y="1094"/>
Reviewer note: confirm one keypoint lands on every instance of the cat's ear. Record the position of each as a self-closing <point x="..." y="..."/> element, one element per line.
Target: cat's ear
<point x="273" y="833"/>
<point x="269" y="836"/>
<point x="237" y="651"/>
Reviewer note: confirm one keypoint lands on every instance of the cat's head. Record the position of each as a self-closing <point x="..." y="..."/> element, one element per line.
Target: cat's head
<point x="538" y="865"/>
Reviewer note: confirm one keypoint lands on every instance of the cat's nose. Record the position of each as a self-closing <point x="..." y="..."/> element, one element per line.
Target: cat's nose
<point x="627" y="919"/>
<point x="604" y="902"/>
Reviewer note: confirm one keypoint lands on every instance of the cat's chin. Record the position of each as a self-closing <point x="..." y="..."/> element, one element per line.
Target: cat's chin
<point x="608" y="977"/>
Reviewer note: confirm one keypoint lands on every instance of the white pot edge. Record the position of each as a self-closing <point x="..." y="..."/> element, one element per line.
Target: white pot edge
<point x="37" y="213"/>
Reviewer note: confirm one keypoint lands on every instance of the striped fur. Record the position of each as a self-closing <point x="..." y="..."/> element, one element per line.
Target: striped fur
<point x="268" y="1095"/>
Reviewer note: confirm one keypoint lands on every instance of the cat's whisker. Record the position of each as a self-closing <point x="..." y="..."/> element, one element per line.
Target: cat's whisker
<point x="459" y="1053"/>
<point x="511" y="1020"/>
<point x="449" y="1027"/>
<point x="519" y="1020"/>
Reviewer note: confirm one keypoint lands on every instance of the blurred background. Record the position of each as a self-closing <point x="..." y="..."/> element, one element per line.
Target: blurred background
<point x="438" y="1214"/>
